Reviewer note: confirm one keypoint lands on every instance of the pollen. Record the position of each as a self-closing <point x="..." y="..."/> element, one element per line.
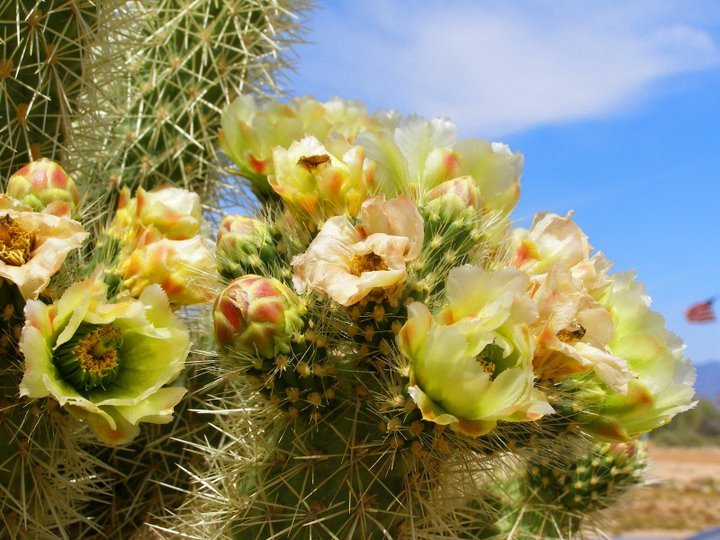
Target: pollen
<point x="96" y="353"/>
<point x="91" y="358"/>
<point x="15" y="242"/>
<point x="370" y="262"/>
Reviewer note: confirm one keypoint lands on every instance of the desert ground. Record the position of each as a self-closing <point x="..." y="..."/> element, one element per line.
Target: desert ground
<point x="682" y="498"/>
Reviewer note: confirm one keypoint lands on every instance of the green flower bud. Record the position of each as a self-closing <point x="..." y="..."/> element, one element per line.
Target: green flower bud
<point x="454" y="199"/>
<point x="243" y="245"/>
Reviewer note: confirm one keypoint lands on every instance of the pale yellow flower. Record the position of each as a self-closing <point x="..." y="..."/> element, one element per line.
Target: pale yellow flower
<point x="185" y="269"/>
<point x="420" y="155"/>
<point x="471" y="365"/>
<point x="663" y="386"/>
<point x="554" y="239"/>
<point x="174" y="212"/>
<point x="251" y="131"/>
<point x="348" y="262"/>
<point x="34" y="245"/>
<point x="308" y="177"/>
<point x="105" y="363"/>
<point x="573" y="332"/>
<point x="574" y="329"/>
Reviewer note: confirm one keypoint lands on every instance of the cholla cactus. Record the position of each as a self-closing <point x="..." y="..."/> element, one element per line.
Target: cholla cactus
<point x="437" y="356"/>
<point x="391" y="353"/>
<point x="558" y="500"/>
<point x="69" y="83"/>
<point x="53" y="62"/>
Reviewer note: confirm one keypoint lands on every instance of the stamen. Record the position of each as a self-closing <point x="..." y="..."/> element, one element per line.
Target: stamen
<point x="15" y="243"/>
<point x="489" y="358"/>
<point x="90" y="359"/>
<point x="370" y="262"/>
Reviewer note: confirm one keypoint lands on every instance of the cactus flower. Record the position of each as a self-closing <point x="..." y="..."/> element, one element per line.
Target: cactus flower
<point x="348" y="262"/>
<point x="421" y="155"/>
<point x="257" y="316"/>
<point x="174" y="212"/>
<point x="310" y="178"/>
<point x="471" y="365"/>
<point x="553" y="239"/>
<point x="185" y="269"/>
<point x="663" y="386"/>
<point x="34" y="245"/>
<point x="251" y="132"/>
<point x="574" y="329"/>
<point x="45" y="187"/>
<point x="108" y="364"/>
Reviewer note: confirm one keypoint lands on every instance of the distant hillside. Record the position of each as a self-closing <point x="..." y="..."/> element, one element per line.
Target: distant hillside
<point x="708" y="380"/>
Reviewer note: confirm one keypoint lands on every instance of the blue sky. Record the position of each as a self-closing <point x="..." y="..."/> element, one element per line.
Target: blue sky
<point x="616" y="106"/>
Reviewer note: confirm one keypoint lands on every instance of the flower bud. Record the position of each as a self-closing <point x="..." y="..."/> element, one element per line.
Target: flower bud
<point x="244" y="245"/>
<point x="175" y="212"/>
<point x="45" y="186"/>
<point x="185" y="269"/>
<point x="256" y="315"/>
<point x="455" y="197"/>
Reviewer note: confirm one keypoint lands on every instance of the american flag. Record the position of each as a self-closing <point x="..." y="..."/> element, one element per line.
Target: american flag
<point x="701" y="312"/>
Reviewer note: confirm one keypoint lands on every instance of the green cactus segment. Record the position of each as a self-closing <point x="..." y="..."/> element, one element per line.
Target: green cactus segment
<point x="46" y="49"/>
<point x="11" y="321"/>
<point x="189" y="59"/>
<point x="339" y="466"/>
<point x="46" y="477"/>
<point x="564" y="494"/>
<point x="245" y="246"/>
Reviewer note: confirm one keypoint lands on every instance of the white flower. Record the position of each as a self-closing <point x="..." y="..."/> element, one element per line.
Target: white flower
<point x="34" y="245"/>
<point x="347" y="263"/>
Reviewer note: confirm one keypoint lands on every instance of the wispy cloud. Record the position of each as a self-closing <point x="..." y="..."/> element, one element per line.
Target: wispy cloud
<point x="498" y="67"/>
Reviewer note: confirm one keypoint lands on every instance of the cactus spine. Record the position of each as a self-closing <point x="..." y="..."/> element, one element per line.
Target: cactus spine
<point x="121" y="93"/>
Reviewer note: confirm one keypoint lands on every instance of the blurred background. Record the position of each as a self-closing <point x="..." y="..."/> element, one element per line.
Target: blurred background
<point x="616" y="107"/>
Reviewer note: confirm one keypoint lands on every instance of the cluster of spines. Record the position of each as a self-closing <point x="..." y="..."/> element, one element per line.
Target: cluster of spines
<point x="187" y="59"/>
<point x="48" y="60"/>
<point x="65" y="99"/>
<point x="558" y="498"/>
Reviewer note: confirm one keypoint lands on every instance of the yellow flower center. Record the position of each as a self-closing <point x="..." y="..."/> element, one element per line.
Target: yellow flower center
<point x="96" y="352"/>
<point x="15" y="243"/>
<point x="491" y="360"/>
<point x="370" y="262"/>
<point x="90" y="359"/>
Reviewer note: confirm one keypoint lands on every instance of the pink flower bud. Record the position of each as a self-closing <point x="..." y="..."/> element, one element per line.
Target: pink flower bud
<point x="256" y="315"/>
<point x="45" y="186"/>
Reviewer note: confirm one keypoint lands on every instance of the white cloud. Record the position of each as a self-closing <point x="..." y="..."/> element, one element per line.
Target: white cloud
<point x="500" y="67"/>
